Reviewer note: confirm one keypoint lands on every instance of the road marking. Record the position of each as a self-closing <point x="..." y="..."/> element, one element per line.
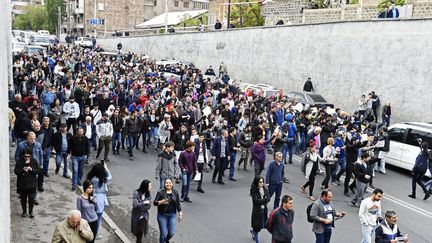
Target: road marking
<point x="397" y="201"/>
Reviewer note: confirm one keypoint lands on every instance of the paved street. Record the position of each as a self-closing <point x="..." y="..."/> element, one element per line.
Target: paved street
<point x="222" y="214"/>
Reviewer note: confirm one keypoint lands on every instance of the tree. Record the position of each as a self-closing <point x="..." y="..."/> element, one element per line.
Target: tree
<point x="246" y="15"/>
<point x="186" y="20"/>
<point x="34" y="18"/>
<point x="51" y="8"/>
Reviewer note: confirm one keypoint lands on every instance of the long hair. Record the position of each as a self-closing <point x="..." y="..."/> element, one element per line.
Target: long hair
<point x="86" y="185"/>
<point x="254" y="185"/>
<point x="99" y="172"/>
<point x="144" y="187"/>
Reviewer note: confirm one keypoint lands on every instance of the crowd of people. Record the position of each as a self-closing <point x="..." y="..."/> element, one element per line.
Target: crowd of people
<point x="87" y="102"/>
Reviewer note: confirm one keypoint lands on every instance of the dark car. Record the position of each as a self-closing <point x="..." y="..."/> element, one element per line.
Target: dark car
<point x="313" y="99"/>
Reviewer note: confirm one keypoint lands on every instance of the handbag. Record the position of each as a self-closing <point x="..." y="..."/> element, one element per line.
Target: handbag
<point x="197" y="177"/>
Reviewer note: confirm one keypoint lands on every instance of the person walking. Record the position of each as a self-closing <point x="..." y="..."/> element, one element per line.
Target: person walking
<point x="221" y="156"/>
<point x="308" y="87"/>
<point x="362" y="178"/>
<point x="118" y="124"/>
<point x="89" y="130"/>
<point x="78" y="149"/>
<point x="324" y="215"/>
<point x="260" y="198"/>
<point x="352" y="146"/>
<point x="388" y="230"/>
<point x="166" y="165"/>
<point x="86" y="204"/>
<point x="201" y="158"/>
<point x="26" y="169"/>
<point x="258" y="154"/>
<point x="73" y="229"/>
<point x="419" y="170"/>
<point x="312" y="158"/>
<point x="72" y="112"/>
<point x="100" y="175"/>
<point x="233" y="147"/>
<point x="141" y="204"/>
<point x="188" y="166"/>
<point x="246" y="142"/>
<point x="131" y="131"/>
<point x="46" y="144"/>
<point x="61" y="147"/>
<point x="370" y="214"/>
<point x="281" y="221"/>
<point x="168" y="202"/>
<point x="104" y="131"/>
<point x="329" y="159"/>
<point x="274" y="177"/>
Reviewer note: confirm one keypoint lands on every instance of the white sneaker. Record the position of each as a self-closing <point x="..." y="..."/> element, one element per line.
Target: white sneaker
<point x="98" y="237"/>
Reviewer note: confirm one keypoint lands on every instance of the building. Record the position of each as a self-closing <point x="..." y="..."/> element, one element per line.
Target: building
<point x="18" y="7"/>
<point x="103" y="17"/>
<point x="179" y="5"/>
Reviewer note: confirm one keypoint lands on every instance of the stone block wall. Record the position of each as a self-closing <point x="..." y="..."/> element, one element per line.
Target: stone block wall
<point x="290" y="10"/>
<point x="422" y="9"/>
<point x="369" y="11"/>
<point x="322" y="15"/>
<point x="350" y="12"/>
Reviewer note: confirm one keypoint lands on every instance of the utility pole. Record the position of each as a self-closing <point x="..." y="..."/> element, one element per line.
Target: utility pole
<point x="94" y="17"/>
<point x="166" y="16"/>
<point x="229" y="14"/>
<point x="59" y="23"/>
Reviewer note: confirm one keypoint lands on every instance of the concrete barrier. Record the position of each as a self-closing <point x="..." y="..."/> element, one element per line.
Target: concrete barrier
<point x="344" y="59"/>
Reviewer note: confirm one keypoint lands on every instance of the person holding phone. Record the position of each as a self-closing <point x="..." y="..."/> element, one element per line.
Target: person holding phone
<point x="27" y="169"/>
<point x="388" y="231"/>
<point x="168" y="202"/>
<point x="140" y="210"/>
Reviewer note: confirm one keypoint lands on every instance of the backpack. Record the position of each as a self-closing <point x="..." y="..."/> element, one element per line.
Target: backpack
<point x="304" y="162"/>
<point x="308" y="211"/>
<point x="291" y="130"/>
<point x="267" y="224"/>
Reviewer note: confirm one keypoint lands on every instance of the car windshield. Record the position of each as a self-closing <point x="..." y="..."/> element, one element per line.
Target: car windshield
<point x="87" y="39"/>
<point x="34" y="49"/>
<point x="18" y="45"/>
<point x="41" y="39"/>
<point x="317" y="98"/>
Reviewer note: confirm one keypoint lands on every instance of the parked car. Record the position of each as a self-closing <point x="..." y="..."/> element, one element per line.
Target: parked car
<point x="404" y="143"/>
<point x="84" y="42"/>
<point x="18" y="47"/>
<point x="34" y="49"/>
<point x="40" y="40"/>
<point x="53" y="39"/>
<point x="312" y="99"/>
<point x="27" y="36"/>
<point x="43" y="32"/>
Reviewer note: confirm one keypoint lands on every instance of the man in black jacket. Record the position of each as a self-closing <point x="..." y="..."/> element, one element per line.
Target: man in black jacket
<point x="60" y="144"/>
<point x="118" y="124"/>
<point x="383" y="151"/>
<point x="352" y="145"/>
<point x="78" y="149"/>
<point x="362" y="178"/>
<point x="245" y="140"/>
<point x="47" y="143"/>
<point x="143" y="124"/>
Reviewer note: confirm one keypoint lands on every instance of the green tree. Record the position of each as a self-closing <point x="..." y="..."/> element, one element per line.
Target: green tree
<point x="51" y="8"/>
<point x="246" y="15"/>
<point x="385" y="4"/>
<point x="34" y="18"/>
<point x="186" y="20"/>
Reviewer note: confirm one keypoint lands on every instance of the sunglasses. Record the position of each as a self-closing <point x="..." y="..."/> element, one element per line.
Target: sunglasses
<point x="27" y="156"/>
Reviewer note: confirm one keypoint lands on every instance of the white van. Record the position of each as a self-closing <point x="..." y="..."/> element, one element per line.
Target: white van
<point x="404" y="146"/>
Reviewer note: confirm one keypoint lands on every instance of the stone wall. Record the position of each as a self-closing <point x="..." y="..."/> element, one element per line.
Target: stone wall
<point x="311" y="16"/>
<point x="422" y="9"/>
<point x="344" y="60"/>
<point x="287" y="10"/>
<point x="5" y="71"/>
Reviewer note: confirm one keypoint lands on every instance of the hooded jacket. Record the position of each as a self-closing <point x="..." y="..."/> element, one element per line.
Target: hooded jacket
<point x="166" y="165"/>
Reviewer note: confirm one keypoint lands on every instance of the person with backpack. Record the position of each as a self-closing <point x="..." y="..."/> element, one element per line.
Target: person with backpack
<point x="419" y="170"/>
<point x="323" y="215"/>
<point x="309" y="168"/>
<point x="289" y="128"/>
<point x="281" y="221"/>
<point x="260" y="198"/>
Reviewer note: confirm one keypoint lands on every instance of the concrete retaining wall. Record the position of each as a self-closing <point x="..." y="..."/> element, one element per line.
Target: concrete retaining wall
<point x="345" y="60"/>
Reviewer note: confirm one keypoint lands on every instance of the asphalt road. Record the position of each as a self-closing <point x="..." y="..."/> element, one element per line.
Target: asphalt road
<point x="223" y="213"/>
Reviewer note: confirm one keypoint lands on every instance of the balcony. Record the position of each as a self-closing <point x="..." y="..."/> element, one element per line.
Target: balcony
<point x="79" y="26"/>
<point x="79" y="11"/>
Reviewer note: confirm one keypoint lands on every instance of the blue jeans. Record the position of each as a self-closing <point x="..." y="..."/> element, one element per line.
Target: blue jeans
<point x="116" y="141"/>
<point x="46" y="157"/>
<point x="267" y="137"/>
<point x="167" y="225"/>
<point x="277" y="189"/>
<point x="288" y="147"/>
<point x="99" y="221"/>
<point x="62" y="156"/>
<point x="324" y="237"/>
<point x="342" y="164"/>
<point x="77" y="169"/>
<point x="233" y="156"/>
<point x="153" y="134"/>
<point x="132" y="139"/>
<point x="301" y="142"/>
<point x="186" y="178"/>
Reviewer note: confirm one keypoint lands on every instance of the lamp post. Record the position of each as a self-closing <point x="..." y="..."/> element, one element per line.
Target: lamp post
<point x="229" y="14"/>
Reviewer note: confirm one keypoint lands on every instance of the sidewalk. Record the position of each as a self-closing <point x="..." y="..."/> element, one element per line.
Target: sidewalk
<point x="54" y="204"/>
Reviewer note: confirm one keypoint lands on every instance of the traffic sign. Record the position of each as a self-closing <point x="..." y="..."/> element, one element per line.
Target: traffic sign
<point x="96" y="21"/>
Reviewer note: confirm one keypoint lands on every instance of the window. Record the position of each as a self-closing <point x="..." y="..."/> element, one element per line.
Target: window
<point x="155" y="3"/>
<point x="413" y="135"/>
<point x="396" y="134"/>
<point x="176" y="4"/>
<point x="185" y="4"/>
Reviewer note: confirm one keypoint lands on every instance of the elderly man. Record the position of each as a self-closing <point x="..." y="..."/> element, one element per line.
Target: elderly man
<point x="73" y="229"/>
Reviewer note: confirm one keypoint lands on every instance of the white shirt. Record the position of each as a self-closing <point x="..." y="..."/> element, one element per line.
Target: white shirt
<point x="369" y="211"/>
<point x="89" y="131"/>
